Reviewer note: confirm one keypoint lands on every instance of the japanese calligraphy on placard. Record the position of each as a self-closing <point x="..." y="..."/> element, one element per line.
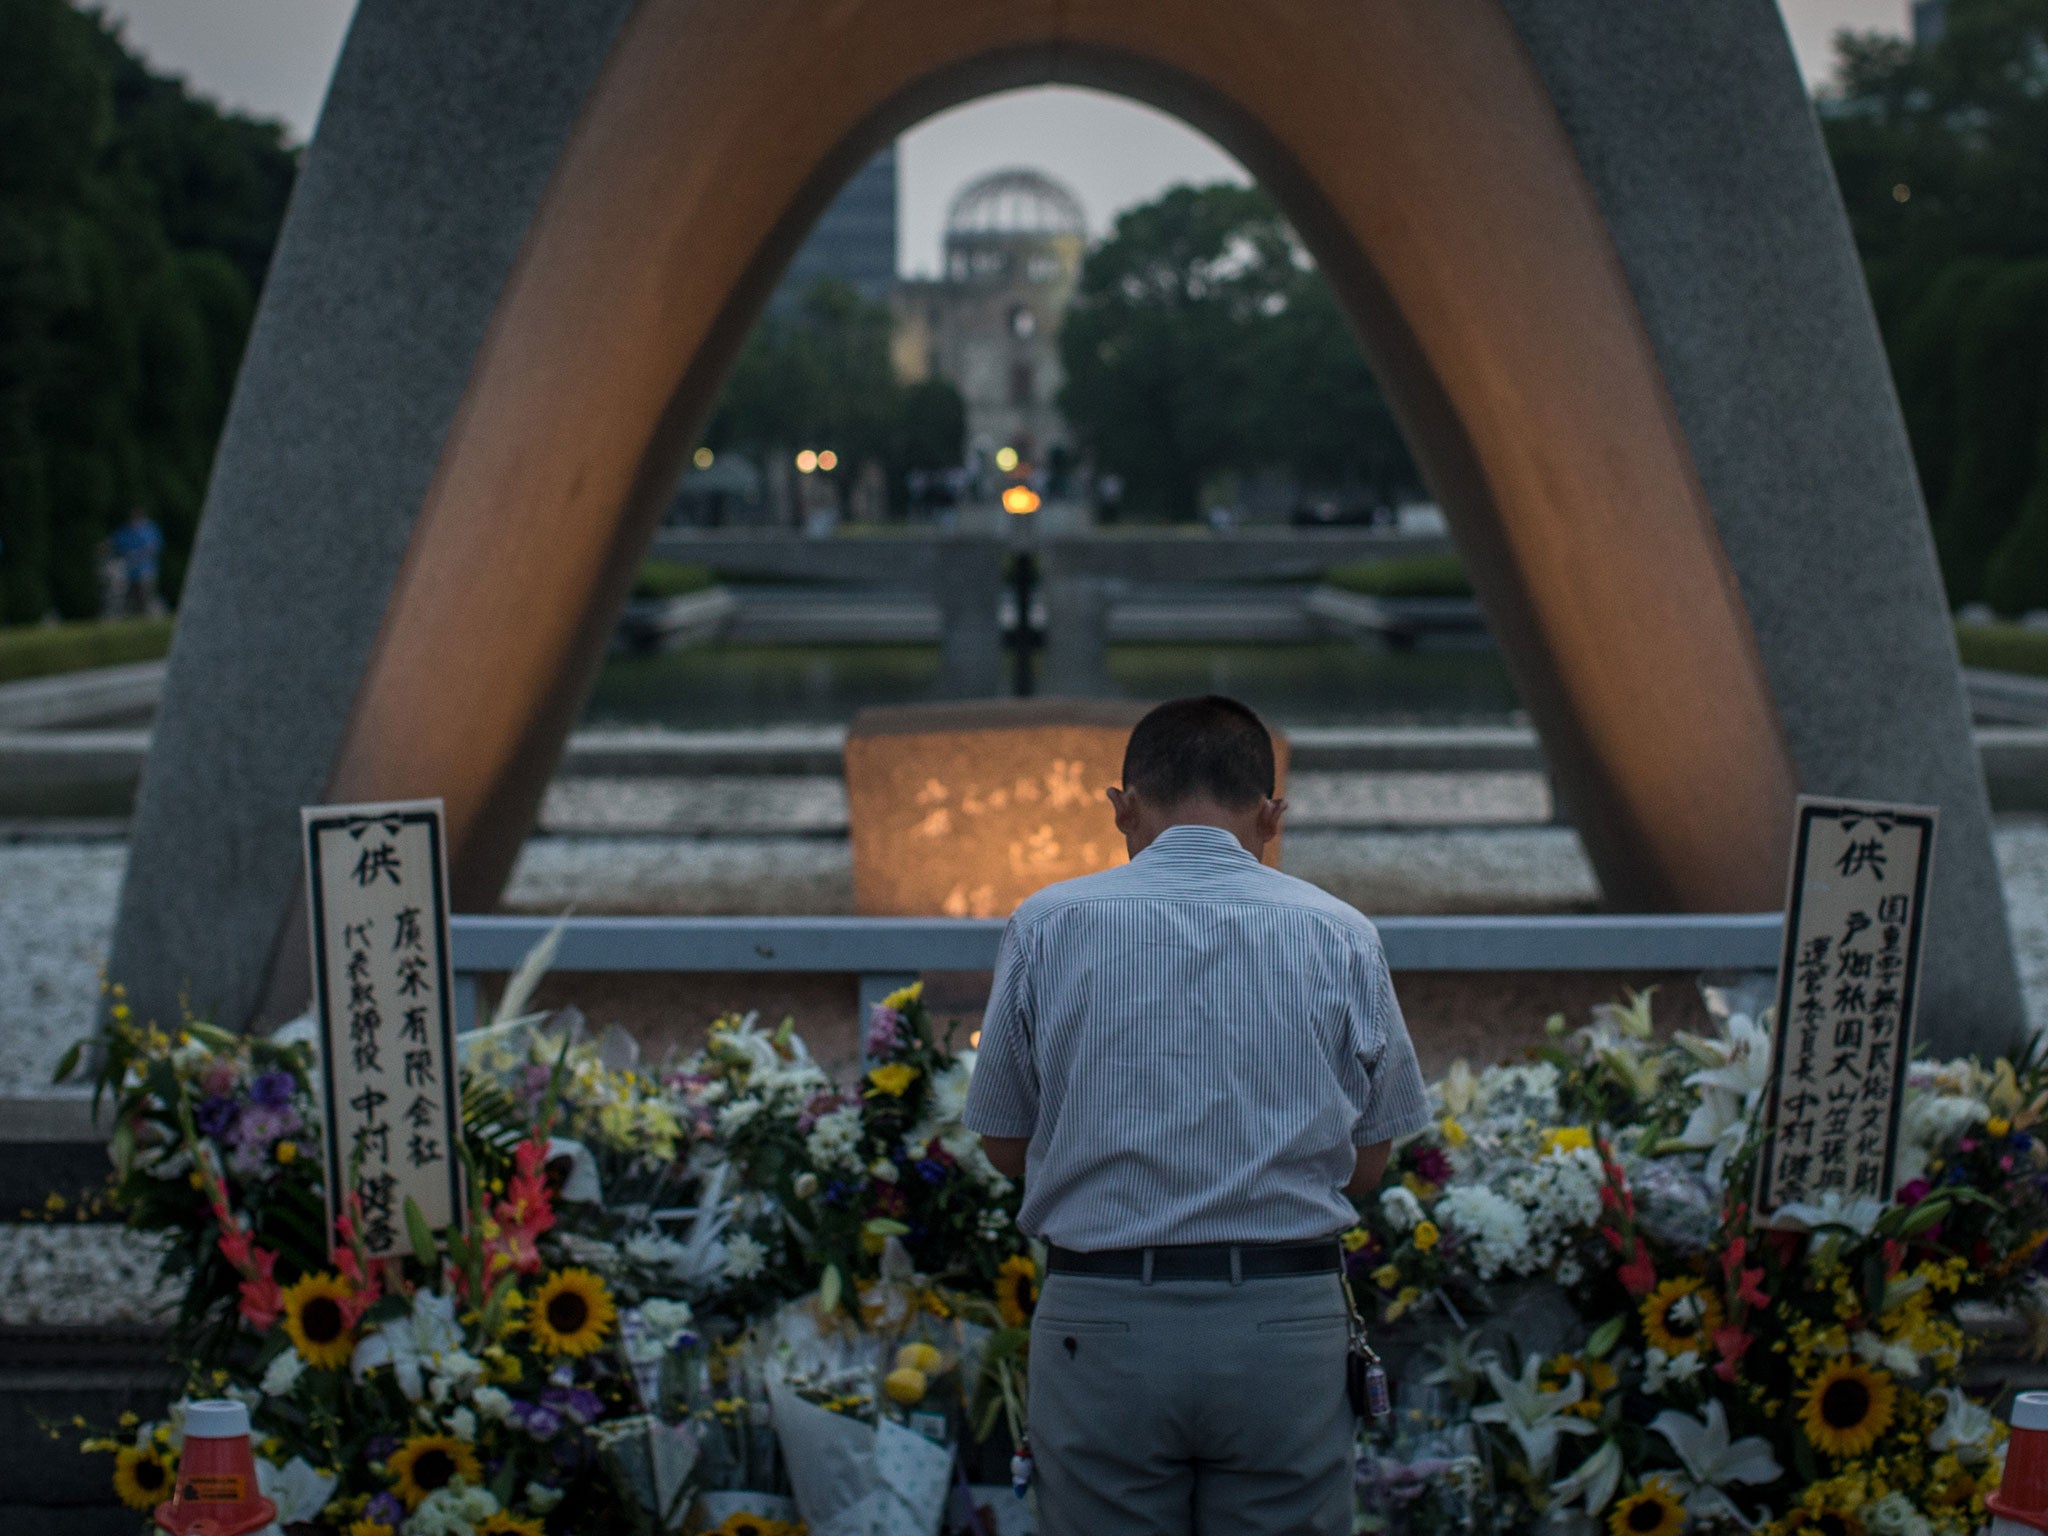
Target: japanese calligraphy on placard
<point x="377" y="896"/>
<point x="1845" y="1001"/>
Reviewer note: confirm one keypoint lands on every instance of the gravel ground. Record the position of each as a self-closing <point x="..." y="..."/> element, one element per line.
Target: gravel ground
<point x="737" y="805"/>
<point x="64" y="1272"/>
<point x="57" y="898"/>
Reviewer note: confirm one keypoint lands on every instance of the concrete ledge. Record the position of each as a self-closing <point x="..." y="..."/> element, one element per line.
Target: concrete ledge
<point x="81" y="698"/>
<point x="2006" y="698"/>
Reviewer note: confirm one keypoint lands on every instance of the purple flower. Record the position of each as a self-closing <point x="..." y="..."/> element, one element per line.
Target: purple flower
<point x="273" y="1090"/>
<point x="377" y="1447"/>
<point x="931" y="1170"/>
<point x="385" y="1509"/>
<point x="1913" y="1193"/>
<point x="884" y="1030"/>
<point x="540" y="1422"/>
<point x="580" y="1405"/>
<point x="216" y="1117"/>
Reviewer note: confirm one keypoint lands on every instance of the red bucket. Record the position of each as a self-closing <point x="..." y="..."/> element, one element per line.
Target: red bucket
<point x="2020" y="1507"/>
<point x="216" y="1492"/>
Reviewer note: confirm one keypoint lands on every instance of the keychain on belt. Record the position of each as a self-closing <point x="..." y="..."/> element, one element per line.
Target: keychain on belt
<point x="1365" y="1379"/>
<point x="1021" y="1468"/>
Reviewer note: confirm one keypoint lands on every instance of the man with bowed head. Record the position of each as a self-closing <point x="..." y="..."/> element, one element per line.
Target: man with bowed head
<point x="1192" y="1062"/>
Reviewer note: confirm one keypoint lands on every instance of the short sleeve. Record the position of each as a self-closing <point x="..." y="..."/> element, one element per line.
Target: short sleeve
<point x="1392" y="1101"/>
<point x="1002" y="1099"/>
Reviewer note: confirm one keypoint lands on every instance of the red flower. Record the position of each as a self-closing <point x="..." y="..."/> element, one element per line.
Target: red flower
<point x="1733" y="1343"/>
<point x="1639" y="1275"/>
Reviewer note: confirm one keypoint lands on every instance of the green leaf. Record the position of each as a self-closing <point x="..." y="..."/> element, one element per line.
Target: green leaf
<point x="423" y="1246"/>
<point x="1605" y="1337"/>
<point x="69" y="1062"/>
<point x="830" y="1286"/>
<point x="882" y="1226"/>
<point x="1924" y="1215"/>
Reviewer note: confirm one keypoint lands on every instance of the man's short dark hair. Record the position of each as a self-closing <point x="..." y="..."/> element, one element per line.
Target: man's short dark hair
<point x="1209" y="746"/>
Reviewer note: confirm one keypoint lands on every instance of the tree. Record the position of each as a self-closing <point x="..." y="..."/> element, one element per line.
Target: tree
<point x="818" y="375"/>
<point x="135" y="224"/>
<point x="1201" y="340"/>
<point x="1941" y="153"/>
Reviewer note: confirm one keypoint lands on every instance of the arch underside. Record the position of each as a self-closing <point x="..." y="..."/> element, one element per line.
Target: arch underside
<point x="1424" y="164"/>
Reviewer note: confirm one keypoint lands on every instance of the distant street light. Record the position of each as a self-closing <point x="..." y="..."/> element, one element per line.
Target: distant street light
<point x="828" y="461"/>
<point x="703" y="458"/>
<point x="1006" y="459"/>
<point x="1020" y="498"/>
<point x="806" y="462"/>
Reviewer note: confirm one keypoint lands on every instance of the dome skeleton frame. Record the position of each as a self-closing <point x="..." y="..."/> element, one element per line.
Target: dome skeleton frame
<point x="1015" y="201"/>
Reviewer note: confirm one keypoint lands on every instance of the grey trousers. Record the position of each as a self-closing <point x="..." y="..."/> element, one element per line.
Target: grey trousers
<point x="1191" y="1408"/>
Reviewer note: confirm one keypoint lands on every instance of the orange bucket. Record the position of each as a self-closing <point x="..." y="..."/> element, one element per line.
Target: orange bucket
<point x="216" y="1492"/>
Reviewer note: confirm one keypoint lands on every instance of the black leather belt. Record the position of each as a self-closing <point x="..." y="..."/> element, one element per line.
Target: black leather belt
<point x="1199" y="1261"/>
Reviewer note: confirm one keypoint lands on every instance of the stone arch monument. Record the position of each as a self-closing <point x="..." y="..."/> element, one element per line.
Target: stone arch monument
<point x="1596" y="254"/>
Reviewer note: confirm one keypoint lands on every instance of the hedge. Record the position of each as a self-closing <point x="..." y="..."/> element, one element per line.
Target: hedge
<point x="2004" y="648"/>
<point x="1412" y="576"/>
<point x="41" y="650"/>
<point x="672" y="578"/>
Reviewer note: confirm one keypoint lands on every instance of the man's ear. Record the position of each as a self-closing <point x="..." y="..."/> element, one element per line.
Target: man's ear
<point x="1124" y="803"/>
<point x="1270" y="812"/>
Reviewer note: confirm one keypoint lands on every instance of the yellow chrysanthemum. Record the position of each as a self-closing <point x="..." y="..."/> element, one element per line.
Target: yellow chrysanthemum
<point x="1654" y="1509"/>
<point x="1425" y="1235"/>
<point x="1567" y="1138"/>
<point x="143" y="1476"/>
<point x="1846" y="1407"/>
<point x="502" y="1524"/>
<point x="1016" y="1290"/>
<point x="367" y="1527"/>
<point x="1452" y="1132"/>
<point x="920" y="1356"/>
<point x="893" y="1078"/>
<point x="316" y="1320"/>
<point x="1679" y="1315"/>
<point x="903" y="997"/>
<point x="1356" y="1239"/>
<point x="427" y="1462"/>
<point x="570" y="1313"/>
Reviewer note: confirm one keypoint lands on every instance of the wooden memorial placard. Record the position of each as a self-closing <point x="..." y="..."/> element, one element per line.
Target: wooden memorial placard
<point x="1846" y="984"/>
<point x="377" y="899"/>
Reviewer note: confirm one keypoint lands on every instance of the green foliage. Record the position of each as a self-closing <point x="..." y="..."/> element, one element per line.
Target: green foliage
<point x="818" y="375"/>
<point x="45" y="649"/>
<point x="2004" y="648"/>
<point x="2000" y="352"/>
<point x="1203" y="340"/>
<point x="1415" y="576"/>
<point x="672" y="578"/>
<point x="1942" y="157"/>
<point x="135" y="225"/>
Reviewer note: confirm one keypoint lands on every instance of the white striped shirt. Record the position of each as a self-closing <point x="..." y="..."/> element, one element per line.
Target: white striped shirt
<point x="1195" y="1045"/>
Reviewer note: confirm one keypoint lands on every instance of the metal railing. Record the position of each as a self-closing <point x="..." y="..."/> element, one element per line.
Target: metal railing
<point x="888" y="952"/>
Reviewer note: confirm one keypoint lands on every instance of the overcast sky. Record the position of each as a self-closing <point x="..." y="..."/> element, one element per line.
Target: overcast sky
<point x="273" y="57"/>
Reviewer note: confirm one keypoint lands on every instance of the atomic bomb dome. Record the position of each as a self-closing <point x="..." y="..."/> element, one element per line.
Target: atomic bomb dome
<point x="990" y="323"/>
<point x="1015" y="202"/>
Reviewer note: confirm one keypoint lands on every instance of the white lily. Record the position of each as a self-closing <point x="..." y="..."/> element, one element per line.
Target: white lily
<point x="1533" y="1416"/>
<point x="1898" y="1357"/>
<point x="1712" y="1462"/>
<point x="1963" y="1424"/>
<point x="408" y="1344"/>
<point x="298" y="1491"/>
<point x="1831" y="1210"/>
<point x="1595" y="1479"/>
<point x="1730" y="1086"/>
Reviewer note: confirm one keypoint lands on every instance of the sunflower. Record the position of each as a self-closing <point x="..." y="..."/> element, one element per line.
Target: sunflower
<point x="1679" y="1316"/>
<point x="1846" y="1407"/>
<point x="1016" y="1290"/>
<point x="427" y="1462"/>
<point x="143" y="1476"/>
<point x="1652" y="1510"/>
<point x="503" y="1524"/>
<point x="316" y="1317"/>
<point x="570" y="1313"/>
